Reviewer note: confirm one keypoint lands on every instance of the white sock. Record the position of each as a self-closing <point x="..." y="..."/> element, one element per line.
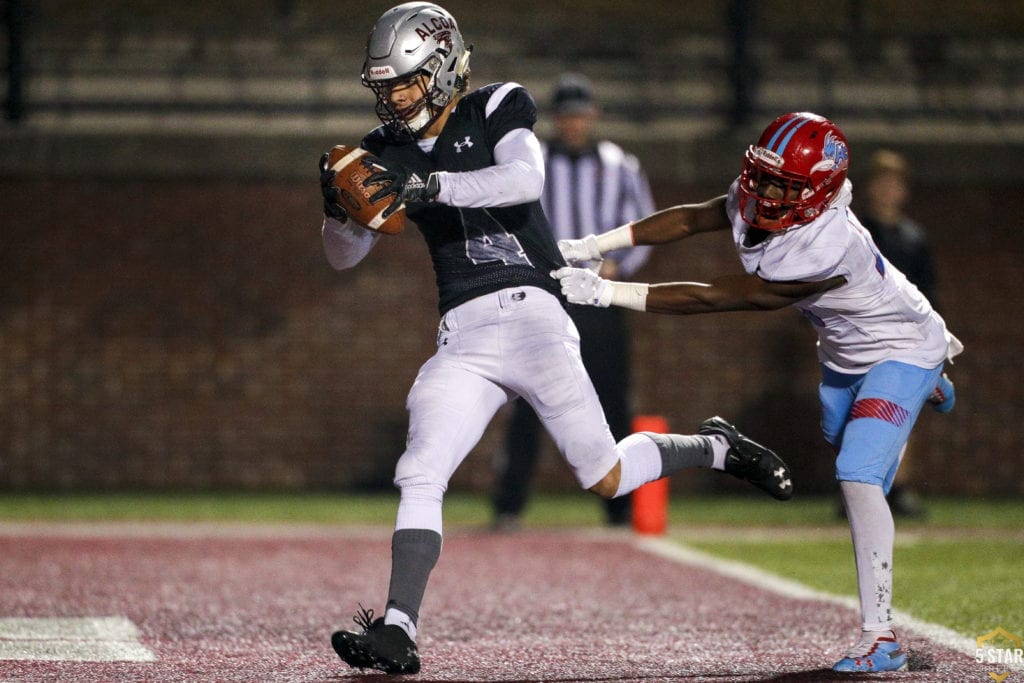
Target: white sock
<point x="396" y="617"/>
<point x="719" y="447"/>
<point x="868" y="638"/>
<point x="641" y="462"/>
<point x="419" y="507"/>
<point x="873" y="533"/>
<point x="867" y="641"/>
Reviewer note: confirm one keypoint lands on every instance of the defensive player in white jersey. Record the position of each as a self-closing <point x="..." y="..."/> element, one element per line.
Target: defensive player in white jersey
<point x="470" y="171"/>
<point x="881" y="346"/>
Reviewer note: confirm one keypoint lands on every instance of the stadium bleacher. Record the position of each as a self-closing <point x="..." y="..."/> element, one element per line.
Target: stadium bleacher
<point x="290" y="70"/>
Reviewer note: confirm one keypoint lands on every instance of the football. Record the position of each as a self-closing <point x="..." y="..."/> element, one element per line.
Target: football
<point x="350" y="170"/>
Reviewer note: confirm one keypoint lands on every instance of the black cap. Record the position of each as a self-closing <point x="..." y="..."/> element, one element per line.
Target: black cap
<point x="572" y="95"/>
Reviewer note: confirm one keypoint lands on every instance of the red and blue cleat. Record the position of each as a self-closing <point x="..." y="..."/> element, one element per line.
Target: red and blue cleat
<point x="944" y="396"/>
<point x="884" y="654"/>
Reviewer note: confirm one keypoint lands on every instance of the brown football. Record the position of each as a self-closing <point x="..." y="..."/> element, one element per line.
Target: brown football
<point x="349" y="173"/>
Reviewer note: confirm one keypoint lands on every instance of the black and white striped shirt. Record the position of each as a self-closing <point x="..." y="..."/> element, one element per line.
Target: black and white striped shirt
<point x="593" y="191"/>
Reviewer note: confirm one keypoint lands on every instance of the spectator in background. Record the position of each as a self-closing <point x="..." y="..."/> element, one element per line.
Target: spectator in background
<point x="591" y="185"/>
<point x="900" y="239"/>
<point x="905" y="244"/>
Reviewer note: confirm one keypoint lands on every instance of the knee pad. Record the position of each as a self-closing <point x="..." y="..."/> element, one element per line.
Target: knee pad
<point x="414" y="469"/>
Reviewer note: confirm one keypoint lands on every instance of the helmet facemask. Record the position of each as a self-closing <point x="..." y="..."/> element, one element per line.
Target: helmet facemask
<point x="417" y="116"/>
<point x="787" y="203"/>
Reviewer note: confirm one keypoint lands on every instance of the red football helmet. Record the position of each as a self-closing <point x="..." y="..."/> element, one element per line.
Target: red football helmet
<point x="803" y="155"/>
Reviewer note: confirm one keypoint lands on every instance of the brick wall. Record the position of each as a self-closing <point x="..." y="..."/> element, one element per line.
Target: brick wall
<point x="189" y="334"/>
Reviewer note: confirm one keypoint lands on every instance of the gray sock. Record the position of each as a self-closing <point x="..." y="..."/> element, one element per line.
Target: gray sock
<point x="414" y="553"/>
<point x="680" y="452"/>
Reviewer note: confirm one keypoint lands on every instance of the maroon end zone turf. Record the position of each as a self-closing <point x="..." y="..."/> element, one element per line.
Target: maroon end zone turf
<point x="259" y="604"/>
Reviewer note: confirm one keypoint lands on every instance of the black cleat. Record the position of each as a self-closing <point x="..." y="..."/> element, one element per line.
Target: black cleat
<point x="387" y="648"/>
<point x="751" y="461"/>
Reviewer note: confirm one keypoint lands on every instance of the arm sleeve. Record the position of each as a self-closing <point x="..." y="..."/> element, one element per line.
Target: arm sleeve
<point x="517" y="176"/>
<point x="346" y="244"/>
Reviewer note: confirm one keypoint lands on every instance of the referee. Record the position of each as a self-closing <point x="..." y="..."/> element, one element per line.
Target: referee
<point x="591" y="186"/>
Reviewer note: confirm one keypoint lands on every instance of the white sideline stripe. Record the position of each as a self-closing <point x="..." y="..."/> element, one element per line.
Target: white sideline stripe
<point x="788" y="588"/>
<point x="82" y="639"/>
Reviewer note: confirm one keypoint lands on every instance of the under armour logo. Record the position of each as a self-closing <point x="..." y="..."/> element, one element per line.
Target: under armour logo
<point x="465" y="143"/>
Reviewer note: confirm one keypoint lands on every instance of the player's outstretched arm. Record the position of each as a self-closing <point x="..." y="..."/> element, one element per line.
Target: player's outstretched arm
<point x="661" y="227"/>
<point x="728" y="293"/>
<point x="738" y="292"/>
<point x="681" y="221"/>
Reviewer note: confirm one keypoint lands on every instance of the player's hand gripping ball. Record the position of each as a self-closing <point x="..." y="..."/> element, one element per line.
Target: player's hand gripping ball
<point x="351" y="167"/>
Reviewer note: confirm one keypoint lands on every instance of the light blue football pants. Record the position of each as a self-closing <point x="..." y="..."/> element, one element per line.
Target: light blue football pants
<point x="867" y="417"/>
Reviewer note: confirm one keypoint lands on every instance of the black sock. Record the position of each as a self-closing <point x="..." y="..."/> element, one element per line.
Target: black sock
<point x="680" y="451"/>
<point x="414" y="553"/>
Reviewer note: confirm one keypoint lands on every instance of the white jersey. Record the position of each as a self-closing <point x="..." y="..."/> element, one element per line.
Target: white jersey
<point x="877" y="316"/>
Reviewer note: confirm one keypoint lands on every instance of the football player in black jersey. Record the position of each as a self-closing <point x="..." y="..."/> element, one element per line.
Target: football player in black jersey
<point x="470" y="172"/>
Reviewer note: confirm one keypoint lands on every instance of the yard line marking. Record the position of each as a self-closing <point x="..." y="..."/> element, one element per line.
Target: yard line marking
<point x="774" y="583"/>
<point x="82" y="639"/>
<point x="78" y="628"/>
<point x="74" y="651"/>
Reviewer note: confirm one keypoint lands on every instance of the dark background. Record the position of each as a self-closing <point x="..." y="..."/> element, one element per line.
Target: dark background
<point x="168" y="321"/>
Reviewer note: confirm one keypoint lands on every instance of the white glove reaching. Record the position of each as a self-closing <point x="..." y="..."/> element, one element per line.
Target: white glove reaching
<point x="581" y="251"/>
<point x="581" y="286"/>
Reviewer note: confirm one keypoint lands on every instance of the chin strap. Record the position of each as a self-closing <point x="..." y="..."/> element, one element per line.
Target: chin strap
<point x="462" y="70"/>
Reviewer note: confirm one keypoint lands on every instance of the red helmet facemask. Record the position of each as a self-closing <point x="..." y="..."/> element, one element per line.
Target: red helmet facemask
<point x="793" y="172"/>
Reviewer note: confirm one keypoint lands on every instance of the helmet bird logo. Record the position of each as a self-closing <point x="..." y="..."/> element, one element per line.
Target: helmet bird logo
<point x="834" y="154"/>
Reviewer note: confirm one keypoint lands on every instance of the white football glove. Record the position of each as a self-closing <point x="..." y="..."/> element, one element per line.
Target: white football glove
<point x="581" y="251"/>
<point x="581" y="286"/>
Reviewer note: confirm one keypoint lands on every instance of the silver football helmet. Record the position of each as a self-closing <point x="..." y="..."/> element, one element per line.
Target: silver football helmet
<point x="412" y="39"/>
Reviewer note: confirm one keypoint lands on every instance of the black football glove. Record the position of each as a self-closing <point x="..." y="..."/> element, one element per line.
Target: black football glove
<point x="331" y="194"/>
<point x="404" y="185"/>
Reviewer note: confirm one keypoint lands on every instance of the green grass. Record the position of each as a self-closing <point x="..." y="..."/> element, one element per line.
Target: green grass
<point x="968" y="585"/>
<point x="568" y="509"/>
<point x="961" y="567"/>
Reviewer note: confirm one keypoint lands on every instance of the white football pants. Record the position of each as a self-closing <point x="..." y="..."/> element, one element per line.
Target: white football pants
<point x="516" y="341"/>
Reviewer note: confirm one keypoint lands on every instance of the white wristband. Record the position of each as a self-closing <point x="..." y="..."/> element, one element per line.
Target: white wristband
<point x="617" y="238"/>
<point x="629" y="295"/>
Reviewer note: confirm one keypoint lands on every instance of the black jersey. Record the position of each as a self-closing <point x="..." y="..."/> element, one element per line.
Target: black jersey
<point x="477" y="250"/>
